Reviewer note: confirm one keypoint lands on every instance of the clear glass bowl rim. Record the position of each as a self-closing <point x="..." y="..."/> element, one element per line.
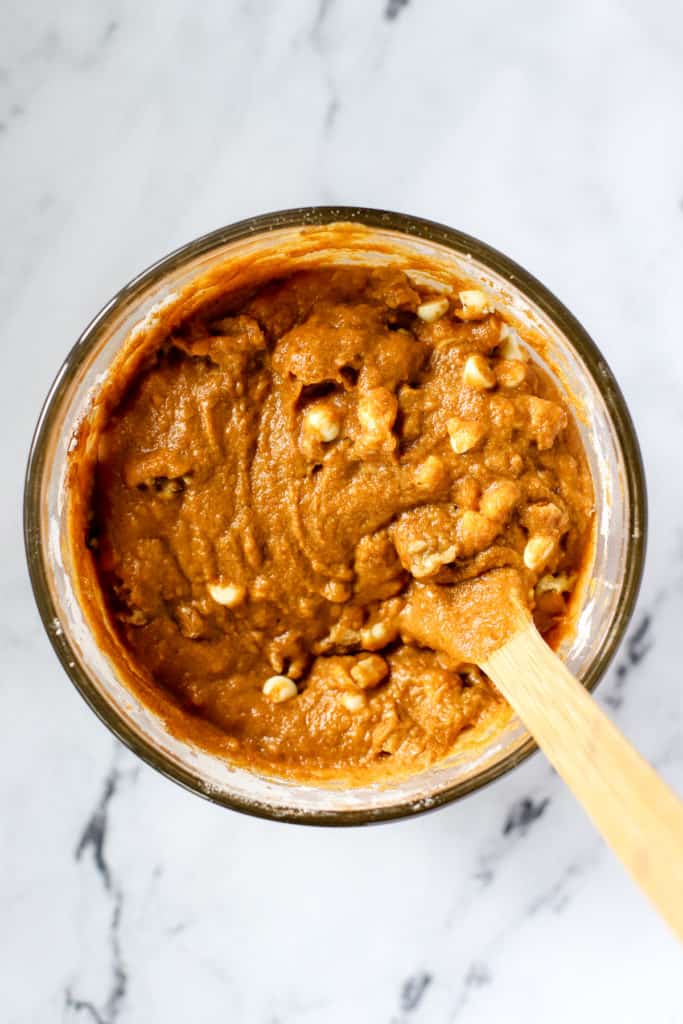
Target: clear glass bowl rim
<point x="310" y="216"/>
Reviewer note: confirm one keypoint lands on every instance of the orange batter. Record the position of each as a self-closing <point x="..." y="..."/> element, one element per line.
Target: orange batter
<point x="272" y="475"/>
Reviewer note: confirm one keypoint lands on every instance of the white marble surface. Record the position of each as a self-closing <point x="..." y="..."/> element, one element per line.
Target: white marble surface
<point x="552" y="131"/>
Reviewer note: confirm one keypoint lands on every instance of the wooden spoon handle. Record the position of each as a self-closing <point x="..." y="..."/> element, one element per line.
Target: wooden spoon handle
<point x="638" y="815"/>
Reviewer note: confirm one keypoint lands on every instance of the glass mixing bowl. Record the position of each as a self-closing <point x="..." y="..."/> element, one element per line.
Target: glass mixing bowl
<point x="604" y="422"/>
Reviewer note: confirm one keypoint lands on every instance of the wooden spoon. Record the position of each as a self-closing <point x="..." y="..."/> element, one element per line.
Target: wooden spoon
<point x="486" y="622"/>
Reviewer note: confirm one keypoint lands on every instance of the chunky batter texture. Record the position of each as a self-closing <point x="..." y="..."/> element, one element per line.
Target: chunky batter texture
<point x="278" y="471"/>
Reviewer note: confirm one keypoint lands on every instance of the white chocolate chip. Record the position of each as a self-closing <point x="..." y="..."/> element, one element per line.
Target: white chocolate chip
<point x="510" y="373"/>
<point x="430" y="473"/>
<point x="475" y="304"/>
<point x="560" y="584"/>
<point x="538" y="551"/>
<point x="465" y="434"/>
<point x="353" y="701"/>
<point x="432" y="310"/>
<point x="478" y="374"/>
<point x="510" y="346"/>
<point x="321" y="421"/>
<point x="369" y="671"/>
<point x="499" y="499"/>
<point x="373" y="638"/>
<point x="377" y="410"/>
<point x="227" y="594"/>
<point x="279" y="689"/>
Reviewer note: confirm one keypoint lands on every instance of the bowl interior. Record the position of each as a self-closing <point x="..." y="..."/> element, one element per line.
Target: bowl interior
<point x="602" y="419"/>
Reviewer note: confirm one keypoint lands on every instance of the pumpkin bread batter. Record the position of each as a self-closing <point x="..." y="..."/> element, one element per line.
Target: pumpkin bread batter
<point x="276" y="472"/>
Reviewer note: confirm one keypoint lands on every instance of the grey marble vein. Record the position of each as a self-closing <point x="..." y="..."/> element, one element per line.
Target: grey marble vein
<point x="93" y="844"/>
